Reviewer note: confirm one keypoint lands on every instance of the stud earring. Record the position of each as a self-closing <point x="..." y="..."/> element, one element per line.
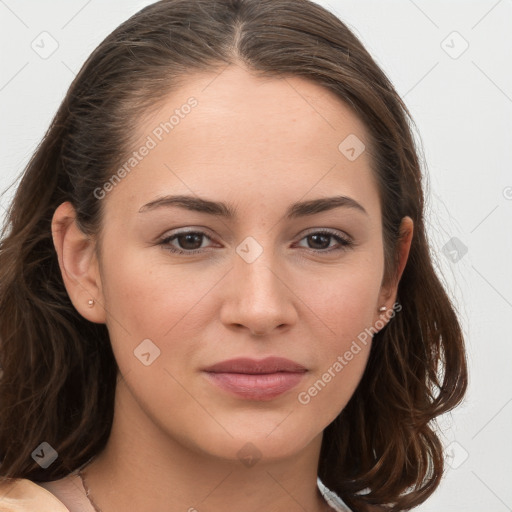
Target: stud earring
<point x="383" y="308"/>
<point x="90" y="302"/>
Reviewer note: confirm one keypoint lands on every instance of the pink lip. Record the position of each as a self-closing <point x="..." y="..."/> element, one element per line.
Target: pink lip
<point x="256" y="380"/>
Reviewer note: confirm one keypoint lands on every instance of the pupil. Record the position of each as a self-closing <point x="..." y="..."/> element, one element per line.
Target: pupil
<point x="316" y="237"/>
<point x="189" y="237"/>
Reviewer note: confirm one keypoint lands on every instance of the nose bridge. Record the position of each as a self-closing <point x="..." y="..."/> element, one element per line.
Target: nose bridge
<point x="259" y="299"/>
<point x="253" y="269"/>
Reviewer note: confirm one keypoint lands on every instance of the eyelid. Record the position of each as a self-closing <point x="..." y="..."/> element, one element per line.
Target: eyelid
<point x="208" y="233"/>
<point x="183" y="231"/>
<point x="331" y="231"/>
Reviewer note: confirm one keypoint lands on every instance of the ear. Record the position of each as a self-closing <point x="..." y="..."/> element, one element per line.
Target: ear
<point x="78" y="263"/>
<point x="388" y="293"/>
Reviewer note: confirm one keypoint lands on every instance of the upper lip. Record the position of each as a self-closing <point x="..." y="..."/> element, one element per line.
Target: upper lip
<point x="256" y="366"/>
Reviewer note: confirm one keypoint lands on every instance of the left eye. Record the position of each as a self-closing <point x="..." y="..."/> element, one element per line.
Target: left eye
<point x="190" y="242"/>
<point x="320" y="238"/>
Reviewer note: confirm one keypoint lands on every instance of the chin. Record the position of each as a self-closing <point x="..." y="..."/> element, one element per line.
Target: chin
<point x="259" y="442"/>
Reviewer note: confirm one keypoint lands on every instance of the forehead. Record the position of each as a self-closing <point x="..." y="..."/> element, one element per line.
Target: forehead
<point x="231" y="133"/>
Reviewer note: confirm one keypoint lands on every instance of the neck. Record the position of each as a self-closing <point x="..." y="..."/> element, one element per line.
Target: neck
<point x="145" y="469"/>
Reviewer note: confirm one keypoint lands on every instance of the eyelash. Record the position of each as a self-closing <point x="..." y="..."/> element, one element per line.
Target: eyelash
<point x="345" y="243"/>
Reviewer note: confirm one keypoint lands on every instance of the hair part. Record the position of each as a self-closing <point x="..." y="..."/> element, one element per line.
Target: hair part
<point x="59" y="372"/>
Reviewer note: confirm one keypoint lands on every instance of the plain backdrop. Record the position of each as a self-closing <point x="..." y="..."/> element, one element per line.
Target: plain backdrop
<point x="451" y="62"/>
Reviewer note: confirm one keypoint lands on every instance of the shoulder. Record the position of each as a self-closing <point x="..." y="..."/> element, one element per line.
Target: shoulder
<point x="339" y="505"/>
<point x="23" y="495"/>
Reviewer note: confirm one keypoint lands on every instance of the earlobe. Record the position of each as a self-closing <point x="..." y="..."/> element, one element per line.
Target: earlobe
<point x="78" y="264"/>
<point x="389" y="292"/>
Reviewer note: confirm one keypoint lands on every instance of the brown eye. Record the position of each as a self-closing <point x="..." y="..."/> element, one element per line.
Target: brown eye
<point x="188" y="242"/>
<point x="320" y="241"/>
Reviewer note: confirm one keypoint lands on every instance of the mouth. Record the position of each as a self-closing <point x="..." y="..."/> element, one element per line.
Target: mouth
<point x="253" y="379"/>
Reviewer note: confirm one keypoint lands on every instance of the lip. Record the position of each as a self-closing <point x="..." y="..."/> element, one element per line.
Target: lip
<point x="252" y="379"/>
<point x="256" y="366"/>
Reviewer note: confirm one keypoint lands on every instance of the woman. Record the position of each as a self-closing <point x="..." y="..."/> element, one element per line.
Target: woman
<point x="217" y="292"/>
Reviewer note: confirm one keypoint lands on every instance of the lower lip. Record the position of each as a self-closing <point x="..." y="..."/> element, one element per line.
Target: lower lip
<point x="265" y="386"/>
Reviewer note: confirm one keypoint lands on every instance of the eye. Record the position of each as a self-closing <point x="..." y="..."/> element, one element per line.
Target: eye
<point x="191" y="242"/>
<point x="321" y="241"/>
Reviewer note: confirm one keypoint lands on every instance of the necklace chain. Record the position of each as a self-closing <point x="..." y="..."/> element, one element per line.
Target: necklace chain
<point x="98" y="509"/>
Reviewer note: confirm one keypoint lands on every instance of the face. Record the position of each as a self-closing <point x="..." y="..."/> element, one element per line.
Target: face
<point x="277" y="278"/>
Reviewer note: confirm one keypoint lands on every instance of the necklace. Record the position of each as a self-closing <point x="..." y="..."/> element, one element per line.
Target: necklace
<point x="87" y="490"/>
<point x="98" y="509"/>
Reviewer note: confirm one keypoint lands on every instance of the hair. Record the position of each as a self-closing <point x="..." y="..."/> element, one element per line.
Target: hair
<point x="59" y="372"/>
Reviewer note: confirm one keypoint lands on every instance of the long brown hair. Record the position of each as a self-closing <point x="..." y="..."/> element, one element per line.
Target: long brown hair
<point x="59" y="373"/>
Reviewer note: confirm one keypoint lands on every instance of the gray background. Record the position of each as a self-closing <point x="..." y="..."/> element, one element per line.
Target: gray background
<point x="461" y="101"/>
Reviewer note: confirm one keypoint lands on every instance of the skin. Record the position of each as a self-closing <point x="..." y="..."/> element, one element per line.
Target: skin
<point x="175" y="436"/>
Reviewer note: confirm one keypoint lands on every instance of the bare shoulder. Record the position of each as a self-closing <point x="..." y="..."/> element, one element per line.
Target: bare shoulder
<point x="23" y="495"/>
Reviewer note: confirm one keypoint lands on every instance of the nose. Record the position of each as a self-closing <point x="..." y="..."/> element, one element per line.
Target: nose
<point x="258" y="297"/>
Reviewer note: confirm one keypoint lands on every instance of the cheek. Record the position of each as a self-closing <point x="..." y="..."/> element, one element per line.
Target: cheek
<point x="346" y="307"/>
<point x="149" y="296"/>
<point x="146" y="300"/>
<point x="345" y="300"/>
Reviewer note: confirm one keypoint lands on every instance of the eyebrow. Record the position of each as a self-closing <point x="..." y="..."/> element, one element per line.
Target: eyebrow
<point x="220" y="209"/>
